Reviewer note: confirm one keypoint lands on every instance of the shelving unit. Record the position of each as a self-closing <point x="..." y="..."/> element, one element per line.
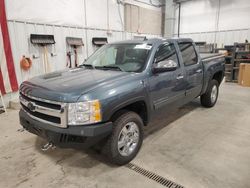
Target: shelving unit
<point x="228" y="63"/>
<point x="241" y="54"/>
<point x="236" y="54"/>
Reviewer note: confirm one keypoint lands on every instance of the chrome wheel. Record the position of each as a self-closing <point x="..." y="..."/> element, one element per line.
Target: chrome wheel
<point x="128" y="139"/>
<point x="214" y="93"/>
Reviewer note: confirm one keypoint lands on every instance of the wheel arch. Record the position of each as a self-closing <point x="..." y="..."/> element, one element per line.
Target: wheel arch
<point x="138" y="106"/>
<point x="218" y="76"/>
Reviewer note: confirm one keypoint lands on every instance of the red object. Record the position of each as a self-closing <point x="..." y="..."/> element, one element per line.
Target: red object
<point x="8" y="81"/>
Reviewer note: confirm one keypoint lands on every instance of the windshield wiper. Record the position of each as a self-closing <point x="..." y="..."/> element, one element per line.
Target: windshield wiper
<point x="87" y="65"/>
<point x="110" y="67"/>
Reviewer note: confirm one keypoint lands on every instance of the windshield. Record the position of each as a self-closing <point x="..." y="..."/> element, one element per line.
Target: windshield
<point x="123" y="57"/>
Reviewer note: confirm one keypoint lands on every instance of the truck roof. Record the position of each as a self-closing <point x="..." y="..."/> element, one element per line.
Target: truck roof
<point x="153" y="41"/>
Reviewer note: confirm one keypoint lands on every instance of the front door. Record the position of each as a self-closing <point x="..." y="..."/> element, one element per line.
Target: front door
<point x="167" y="89"/>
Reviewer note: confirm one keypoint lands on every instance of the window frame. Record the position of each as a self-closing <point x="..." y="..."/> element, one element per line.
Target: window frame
<point x="192" y="44"/>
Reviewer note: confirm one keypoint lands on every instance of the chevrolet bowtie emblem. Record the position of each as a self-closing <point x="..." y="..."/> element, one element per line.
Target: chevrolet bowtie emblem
<point x="31" y="107"/>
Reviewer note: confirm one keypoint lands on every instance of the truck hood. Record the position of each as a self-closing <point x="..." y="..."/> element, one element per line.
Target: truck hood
<point x="69" y="85"/>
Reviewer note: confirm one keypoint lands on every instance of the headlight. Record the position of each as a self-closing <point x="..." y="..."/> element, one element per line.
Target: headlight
<point x="84" y="112"/>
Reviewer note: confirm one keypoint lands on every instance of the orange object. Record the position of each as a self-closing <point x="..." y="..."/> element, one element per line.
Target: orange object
<point x="244" y="75"/>
<point x="25" y="63"/>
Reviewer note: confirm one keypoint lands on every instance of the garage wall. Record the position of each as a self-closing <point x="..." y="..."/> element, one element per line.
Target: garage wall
<point x="220" y="21"/>
<point x="63" y="18"/>
<point x="139" y="19"/>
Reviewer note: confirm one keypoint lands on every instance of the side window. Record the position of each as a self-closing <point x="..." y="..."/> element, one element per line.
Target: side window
<point x="166" y="52"/>
<point x="188" y="53"/>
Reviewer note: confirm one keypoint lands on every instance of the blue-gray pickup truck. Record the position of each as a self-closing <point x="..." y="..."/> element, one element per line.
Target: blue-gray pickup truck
<point x="116" y="92"/>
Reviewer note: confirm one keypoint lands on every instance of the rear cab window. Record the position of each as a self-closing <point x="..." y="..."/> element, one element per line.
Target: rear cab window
<point x="189" y="55"/>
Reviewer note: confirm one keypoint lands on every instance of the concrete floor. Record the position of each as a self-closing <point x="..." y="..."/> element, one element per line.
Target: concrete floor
<point x="194" y="146"/>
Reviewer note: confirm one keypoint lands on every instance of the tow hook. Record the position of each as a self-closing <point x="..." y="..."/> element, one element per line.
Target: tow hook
<point x="48" y="146"/>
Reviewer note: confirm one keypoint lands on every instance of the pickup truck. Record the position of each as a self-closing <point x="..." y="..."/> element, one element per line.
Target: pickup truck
<point x="117" y="91"/>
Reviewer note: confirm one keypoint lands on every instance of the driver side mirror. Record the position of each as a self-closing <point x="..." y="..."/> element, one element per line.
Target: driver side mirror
<point x="165" y="66"/>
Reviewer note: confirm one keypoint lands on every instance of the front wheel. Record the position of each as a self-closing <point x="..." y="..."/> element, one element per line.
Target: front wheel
<point x="209" y="98"/>
<point x="126" y="138"/>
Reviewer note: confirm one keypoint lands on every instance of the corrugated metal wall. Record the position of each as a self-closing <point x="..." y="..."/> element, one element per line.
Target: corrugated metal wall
<point x="221" y="21"/>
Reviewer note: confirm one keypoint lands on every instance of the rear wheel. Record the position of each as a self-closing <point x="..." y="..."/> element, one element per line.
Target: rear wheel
<point x="126" y="138"/>
<point x="209" y="98"/>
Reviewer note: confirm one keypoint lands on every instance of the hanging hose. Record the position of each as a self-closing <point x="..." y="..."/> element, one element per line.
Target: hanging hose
<point x="75" y="51"/>
<point x="69" y="60"/>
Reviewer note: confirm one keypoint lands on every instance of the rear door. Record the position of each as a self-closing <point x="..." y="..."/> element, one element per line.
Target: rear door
<point x="193" y="68"/>
<point x="167" y="89"/>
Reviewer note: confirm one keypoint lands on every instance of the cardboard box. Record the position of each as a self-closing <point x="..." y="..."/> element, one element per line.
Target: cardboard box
<point x="244" y="75"/>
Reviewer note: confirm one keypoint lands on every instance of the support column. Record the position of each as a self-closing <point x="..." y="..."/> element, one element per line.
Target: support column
<point x="169" y="19"/>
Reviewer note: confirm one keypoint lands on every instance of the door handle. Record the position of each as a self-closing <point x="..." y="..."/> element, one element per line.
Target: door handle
<point x="198" y="71"/>
<point x="179" y="77"/>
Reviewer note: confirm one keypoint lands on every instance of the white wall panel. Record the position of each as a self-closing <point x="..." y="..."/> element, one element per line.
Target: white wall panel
<point x="116" y="21"/>
<point x="96" y="13"/>
<point x="234" y="14"/>
<point x="61" y="12"/>
<point x="200" y="18"/>
<point x="197" y="16"/>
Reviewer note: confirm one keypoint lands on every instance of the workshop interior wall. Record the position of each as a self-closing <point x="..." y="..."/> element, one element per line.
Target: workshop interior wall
<point x="64" y="18"/>
<point x="221" y="21"/>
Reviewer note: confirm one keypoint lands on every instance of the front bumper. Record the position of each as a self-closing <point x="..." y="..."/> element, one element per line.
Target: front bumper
<point x="73" y="136"/>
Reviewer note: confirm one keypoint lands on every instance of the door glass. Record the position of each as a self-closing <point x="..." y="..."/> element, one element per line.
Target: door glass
<point x="166" y="52"/>
<point x="188" y="53"/>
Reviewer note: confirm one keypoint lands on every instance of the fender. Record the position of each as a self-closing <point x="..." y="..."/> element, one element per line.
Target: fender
<point x="210" y="72"/>
<point x="125" y="103"/>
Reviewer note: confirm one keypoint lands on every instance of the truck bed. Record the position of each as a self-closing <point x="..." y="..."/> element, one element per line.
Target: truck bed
<point x="210" y="56"/>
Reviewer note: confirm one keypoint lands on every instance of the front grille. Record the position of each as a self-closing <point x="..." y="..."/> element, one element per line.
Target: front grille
<point x="42" y="103"/>
<point x="50" y="112"/>
<point x="42" y="116"/>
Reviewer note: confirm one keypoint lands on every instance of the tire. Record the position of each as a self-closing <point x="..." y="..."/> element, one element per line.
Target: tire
<point x="209" y="98"/>
<point x="126" y="122"/>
